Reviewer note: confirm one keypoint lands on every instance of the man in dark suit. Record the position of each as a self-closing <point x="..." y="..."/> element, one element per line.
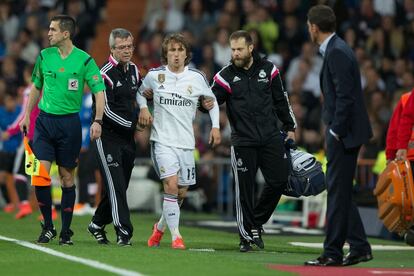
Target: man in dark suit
<point x="347" y="128"/>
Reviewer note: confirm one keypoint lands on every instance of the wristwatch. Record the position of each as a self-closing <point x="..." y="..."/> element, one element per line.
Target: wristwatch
<point x="98" y="121"/>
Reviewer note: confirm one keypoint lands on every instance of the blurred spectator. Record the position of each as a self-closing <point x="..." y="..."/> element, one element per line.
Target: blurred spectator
<point x="209" y="66"/>
<point x="167" y="19"/>
<point x="366" y="19"/>
<point x="268" y="29"/>
<point x="30" y="49"/>
<point x="33" y="7"/>
<point x="196" y="20"/>
<point x="385" y="7"/>
<point x="311" y="80"/>
<point x="85" y="27"/>
<point x="293" y="34"/>
<point x="9" y="23"/>
<point x="222" y="51"/>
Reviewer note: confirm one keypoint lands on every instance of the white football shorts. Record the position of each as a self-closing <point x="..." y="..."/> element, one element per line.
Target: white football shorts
<point x="169" y="161"/>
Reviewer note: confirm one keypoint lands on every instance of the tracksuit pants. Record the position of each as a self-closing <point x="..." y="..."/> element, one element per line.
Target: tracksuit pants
<point x="273" y="162"/>
<point x="116" y="160"/>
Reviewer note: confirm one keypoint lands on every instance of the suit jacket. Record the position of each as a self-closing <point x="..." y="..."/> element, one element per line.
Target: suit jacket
<point x="344" y="109"/>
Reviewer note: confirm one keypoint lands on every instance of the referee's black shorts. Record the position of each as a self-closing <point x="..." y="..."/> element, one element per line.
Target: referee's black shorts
<point x="58" y="137"/>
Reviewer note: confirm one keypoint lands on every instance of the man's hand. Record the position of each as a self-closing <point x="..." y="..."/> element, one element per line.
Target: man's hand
<point x="290" y="135"/>
<point x="24" y="124"/>
<point x="145" y="117"/>
<point x="148" y="94"/>
<point x="401" y="154"/>
<point x="207" y="102"/>
<point x="215" y="137"/>
<point x="95" y="131"/>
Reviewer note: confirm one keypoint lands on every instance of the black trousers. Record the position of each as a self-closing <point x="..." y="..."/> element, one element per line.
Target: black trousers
<point x="343" y="222"/>
<point x="116" y="160"/>
<point x="272" y="161"/>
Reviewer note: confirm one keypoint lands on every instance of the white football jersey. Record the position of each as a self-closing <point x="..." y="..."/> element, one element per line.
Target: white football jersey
<point x="175" y="104"/>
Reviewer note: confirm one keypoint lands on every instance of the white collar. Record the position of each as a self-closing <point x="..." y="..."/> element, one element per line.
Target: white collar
<point x="324" y="45"/>
<point x="177" y="74"/>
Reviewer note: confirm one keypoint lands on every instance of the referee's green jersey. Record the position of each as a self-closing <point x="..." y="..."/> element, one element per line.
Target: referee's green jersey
<point x="63" y="80"/>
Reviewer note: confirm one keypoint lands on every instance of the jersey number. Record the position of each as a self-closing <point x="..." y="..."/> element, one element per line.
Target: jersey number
<point x="190" y="173"/>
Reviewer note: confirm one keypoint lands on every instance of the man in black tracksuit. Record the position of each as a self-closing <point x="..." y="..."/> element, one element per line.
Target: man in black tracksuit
<point x="255" y="99"/>
<point x="116" y="148"/>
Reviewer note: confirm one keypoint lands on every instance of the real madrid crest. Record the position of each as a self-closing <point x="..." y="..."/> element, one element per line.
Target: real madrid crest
<point x="262" y="74"/>
<point x="109" y="158"/>
<point x="161" y="78"/>
<point x="190" y="89"/>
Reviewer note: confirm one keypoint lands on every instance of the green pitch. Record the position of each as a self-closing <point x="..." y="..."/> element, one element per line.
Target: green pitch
<point x="208" y="252"/>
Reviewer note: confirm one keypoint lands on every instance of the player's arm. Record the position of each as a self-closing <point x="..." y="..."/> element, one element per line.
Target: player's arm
<point x="144" y="117"/>
<point x="214" y="112"/>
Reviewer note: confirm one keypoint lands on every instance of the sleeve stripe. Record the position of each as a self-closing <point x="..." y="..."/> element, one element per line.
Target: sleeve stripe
<point x="136" y="72"/>
<point x="87" y="61"/>
<point x="274" y="72"/>
<point x="116" y="118"/>
<point x="201" y="73"/>
<point x="292" y="115"/>
<point x="222" y="82"/>
<point x="105" y="77"/>
<point x="105" y="69"/>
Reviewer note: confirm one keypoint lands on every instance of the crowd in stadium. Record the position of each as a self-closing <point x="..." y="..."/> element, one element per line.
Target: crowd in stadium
<point x="381" y="32"/>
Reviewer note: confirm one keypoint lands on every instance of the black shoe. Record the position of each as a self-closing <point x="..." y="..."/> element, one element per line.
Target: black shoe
<point x="98" y="233"/>
<point x="352" y="258"/>
<point x="323" y="261"/>
<point x="409" y="236"/>
<point x="48" y="234"/>
<point x="64" y="237"/>
<point x="245" y="246"/>
<point x="123" y="241"/>
<point x="257" y="237"/>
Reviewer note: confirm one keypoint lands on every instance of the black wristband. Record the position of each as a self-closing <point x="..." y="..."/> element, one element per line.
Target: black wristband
<point x="98" y="121"/>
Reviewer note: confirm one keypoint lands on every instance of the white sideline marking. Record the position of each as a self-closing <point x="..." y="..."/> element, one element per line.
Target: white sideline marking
<point x="374" y="247"/>
<point x="87" y="262"/>
<point x="396" y="272"/>
<point x="202" y="249"/>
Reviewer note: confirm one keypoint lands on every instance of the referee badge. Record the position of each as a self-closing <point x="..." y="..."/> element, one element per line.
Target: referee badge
<point x="73" y="84"/>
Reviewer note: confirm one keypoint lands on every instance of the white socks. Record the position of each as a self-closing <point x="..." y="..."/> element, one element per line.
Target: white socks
<point x="171" y="214"/>
<point x="161" y="224"/>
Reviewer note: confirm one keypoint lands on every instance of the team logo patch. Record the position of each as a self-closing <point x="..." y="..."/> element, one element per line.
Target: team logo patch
<point x="161" y="78"/>
<point x="239" y="162"/>
<point x="109" y="158"/>
<point x="236" y="79"/>
<point x="262" y="74"/>
<point x="162" y="170"/>
<point x="73" y="84"/>
<point x="190" y="89"/>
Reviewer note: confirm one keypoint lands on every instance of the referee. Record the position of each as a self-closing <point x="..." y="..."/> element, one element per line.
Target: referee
<point x="61" y="72"/>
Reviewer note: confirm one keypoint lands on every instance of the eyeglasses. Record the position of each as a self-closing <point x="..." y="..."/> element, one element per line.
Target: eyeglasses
<point x="125" y="47"/>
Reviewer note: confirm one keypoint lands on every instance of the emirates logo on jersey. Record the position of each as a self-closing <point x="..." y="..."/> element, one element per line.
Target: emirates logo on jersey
<point x="176" y="100"/>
